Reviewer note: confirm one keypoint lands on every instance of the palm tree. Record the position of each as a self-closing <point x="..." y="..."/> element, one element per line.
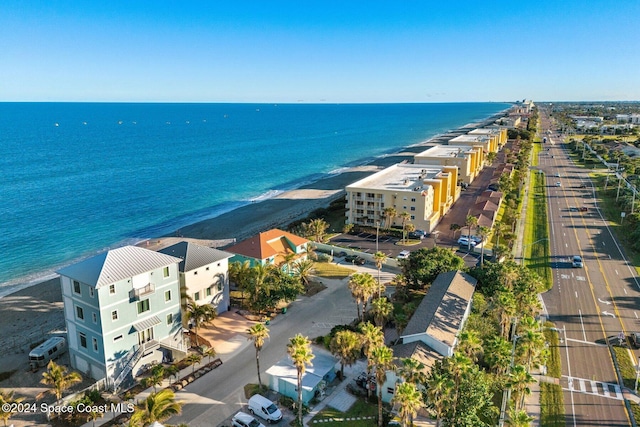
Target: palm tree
<point x="239" y="274"/>
<point x="372" y="337"/>
<point x="57" y="377"/>
<point x="287" y="259"/>
<point x="346" y="345"/>
<point x="518" y="418"/>
<point x="410" y="401"/>
<point x="299" y="349"/>
<point x="379" y="258"/>
<point x="93" y="413"/>
<point x="404" y="217"/>
<point x="519" y="380"/>
<point x="172" y="371"/>
<point x="156" y="377"/>
<point x="7" y="397"/>
<point x="209" y="353"/>
<point x="382" y="359"/>
<point x="454" y="228"/>
<point x="470" y="344"/>
<point x="400" y="283"/>
<point x="192" y="359"/>
<point x="412" y="371"/>
<point x="156" y="407"/>
<point x="200" y="315"/>
<point x="258" y="333"/>
<point x="362" y="287"/>
<point x="304" y="269"/>
<point x="382" y="310"/>
<point x="317" y="229"/>
<point x="469" y="222"/>
<point x="389" y="214"/>
<point x="439" y="390"/>
<point x="483" y="232"/>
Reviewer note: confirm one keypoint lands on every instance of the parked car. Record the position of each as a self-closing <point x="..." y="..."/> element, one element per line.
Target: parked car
<point x="403" y="255"/>
<point x="245" y="420"/>
<point x="355" y="259"/>
<point x="49" y="350"/>
<point x="416" y="235"/>
<point x="476" y="239"/>
<point x="577" y="261"/>
<point x="635" y="339"/>
<point x="463" y="241"/>
<point x="558" y="184"/>
<point x="264" y="408"/>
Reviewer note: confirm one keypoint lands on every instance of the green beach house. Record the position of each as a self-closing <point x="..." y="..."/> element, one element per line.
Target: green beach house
<point x="122" y="311"/>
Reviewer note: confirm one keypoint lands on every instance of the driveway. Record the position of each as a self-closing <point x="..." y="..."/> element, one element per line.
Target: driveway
<point x="220" y="394"/>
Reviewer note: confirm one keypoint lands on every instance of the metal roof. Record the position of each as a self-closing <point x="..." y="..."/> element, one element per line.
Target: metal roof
<point x="116" y="264"/>
<point x="194" y="256"/>
<point x="146" y="323"/>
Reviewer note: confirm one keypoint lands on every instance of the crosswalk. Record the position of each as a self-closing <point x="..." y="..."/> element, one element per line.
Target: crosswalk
<point x="597" y="388"/>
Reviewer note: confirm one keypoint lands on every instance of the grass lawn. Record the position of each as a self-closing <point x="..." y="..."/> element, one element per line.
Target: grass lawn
<point x="536" y="237"/>
<point x="359" y="409"/>
<point x="331" y="271"/>
<point x="625" y="363"/>
<point x="551" y="397"/>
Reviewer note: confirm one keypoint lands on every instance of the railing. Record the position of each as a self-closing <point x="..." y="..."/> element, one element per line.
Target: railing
<point x="131" y="359"/>
<point x="137" y="293"/>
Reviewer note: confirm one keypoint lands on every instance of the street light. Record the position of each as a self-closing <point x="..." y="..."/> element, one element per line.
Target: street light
<point x="377" y="231"/>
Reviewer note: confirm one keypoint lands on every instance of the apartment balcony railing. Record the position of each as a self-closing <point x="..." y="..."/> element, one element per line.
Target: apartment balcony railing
<point x="139" y="292"/>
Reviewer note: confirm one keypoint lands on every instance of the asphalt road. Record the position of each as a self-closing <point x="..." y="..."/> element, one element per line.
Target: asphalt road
<point x="220" y="394"/>
<point x="591" y="305"/>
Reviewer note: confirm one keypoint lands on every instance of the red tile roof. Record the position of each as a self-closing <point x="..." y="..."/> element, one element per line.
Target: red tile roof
<point x="267" y="244"/>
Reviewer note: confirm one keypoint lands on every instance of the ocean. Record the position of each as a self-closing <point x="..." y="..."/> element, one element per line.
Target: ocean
<point x="78" y="178"/>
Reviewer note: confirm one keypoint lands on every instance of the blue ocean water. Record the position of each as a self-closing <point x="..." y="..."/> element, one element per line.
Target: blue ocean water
<point x="77" y="178"/>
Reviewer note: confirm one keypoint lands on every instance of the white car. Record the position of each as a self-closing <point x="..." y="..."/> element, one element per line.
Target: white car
<point x="558" y="184"/>
<point x="245" y="420"/>
<point x="576" y="262"/>
<point x="463" y="241"/>
<point x="403" y="255"/>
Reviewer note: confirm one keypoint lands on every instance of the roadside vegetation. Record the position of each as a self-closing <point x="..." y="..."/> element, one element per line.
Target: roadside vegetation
<point x="536" y="251"/>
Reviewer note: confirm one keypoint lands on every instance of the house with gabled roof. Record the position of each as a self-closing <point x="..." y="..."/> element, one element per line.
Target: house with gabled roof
<point x="432" y="331"/>
<point x="122" y="310"/>
<point x="274" y="247"/>
<point x="203" y="272"/>
<point x="442" y="312"/>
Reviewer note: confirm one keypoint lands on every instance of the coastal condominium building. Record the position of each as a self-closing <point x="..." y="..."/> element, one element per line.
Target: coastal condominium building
<point x="204" y="274"/>
<point x="499" y="134"/>
<point x="122" y="310"/>
<point x="489" y="145"/>
<point x="274" y="247"/>
<point x="468" y="160"/>
<point x="426" y="193"/>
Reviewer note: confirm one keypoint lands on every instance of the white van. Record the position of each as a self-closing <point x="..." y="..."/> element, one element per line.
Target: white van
<point x="264" y="408"/>
<point x="49" y="350"/>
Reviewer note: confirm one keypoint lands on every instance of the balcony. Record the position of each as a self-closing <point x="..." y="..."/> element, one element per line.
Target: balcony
<point x="139" y="292"/>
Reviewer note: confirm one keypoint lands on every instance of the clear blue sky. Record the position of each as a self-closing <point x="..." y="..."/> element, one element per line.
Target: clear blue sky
<point x="319" y="51"/>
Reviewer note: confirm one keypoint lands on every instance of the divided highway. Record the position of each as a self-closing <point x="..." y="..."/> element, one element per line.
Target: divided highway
<point x="591" y="305"/>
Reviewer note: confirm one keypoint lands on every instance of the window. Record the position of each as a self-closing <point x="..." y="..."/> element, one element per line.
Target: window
<point x="112" y="289"/>
<point x="207" y="268"/>
<point x="169" y="318"/>
<point x="413" y="199"/>
<point x="413" y="217"/>
<point x="91" y="292"/>
<point x="167" y="296"/>
<point x="165" y="272"/>
<point x="79" y="313"/>
<point x="118" y="338"/>
<point x="76" y="287"/>
<point x="94" y="317"/>
<point x="114" y="315"/>
<point x="219" y="285"/>
<point x="196" y="296"/>
<point x="83" y="340"/>
<point x="413" y="208"/>
<point x="391" y="390"/>
<point x="195" y="273"/>
<point x="143" y="306"/>
<point x="95" y="344"/>
<point x="209" y="291"/>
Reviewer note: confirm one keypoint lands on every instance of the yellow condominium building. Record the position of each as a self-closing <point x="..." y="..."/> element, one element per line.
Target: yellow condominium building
<point x="426" y="193"/>
<point x="489" y="145"/>
<point x="499" y="134"/>
<point x="468" y="160"/>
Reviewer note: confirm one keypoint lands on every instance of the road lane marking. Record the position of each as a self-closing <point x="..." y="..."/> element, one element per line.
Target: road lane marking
<point x="615" y="270"/>
<point x="604" y="302"/>
<point x="625" y="291"/>
<point x="584" y="334"/>
<point x="586" y="342"/>
<point x="636" y="314"/>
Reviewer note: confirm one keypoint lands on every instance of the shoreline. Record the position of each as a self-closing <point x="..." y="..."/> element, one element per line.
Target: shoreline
<point x="278" y="211"/>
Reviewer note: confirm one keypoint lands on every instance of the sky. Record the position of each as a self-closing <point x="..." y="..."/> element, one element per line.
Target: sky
<point x="319" y="51"/>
